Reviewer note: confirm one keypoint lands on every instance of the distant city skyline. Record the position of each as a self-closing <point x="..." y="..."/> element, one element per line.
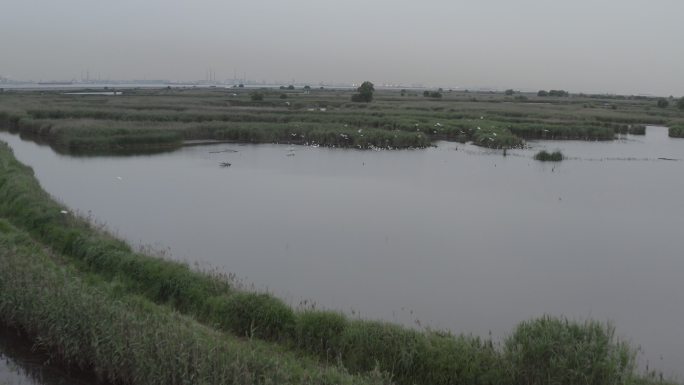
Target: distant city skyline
<point x="600" y="46"/>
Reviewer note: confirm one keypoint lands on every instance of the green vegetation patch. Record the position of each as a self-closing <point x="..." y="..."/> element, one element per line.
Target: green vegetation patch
<point x="126" y="339"/>
<point x="545" y="156"/>
<point x="558" y="351"/>
<point x="676" y="131"/>
<point x="156" y="120"/>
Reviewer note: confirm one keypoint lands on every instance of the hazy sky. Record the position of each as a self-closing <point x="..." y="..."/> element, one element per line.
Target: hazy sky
<point x="619" y="46"/>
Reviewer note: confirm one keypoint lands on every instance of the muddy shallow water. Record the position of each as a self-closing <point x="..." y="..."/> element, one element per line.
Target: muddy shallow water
<point x="455" y="237"/>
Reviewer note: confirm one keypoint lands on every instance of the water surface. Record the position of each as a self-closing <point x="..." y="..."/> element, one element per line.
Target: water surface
<point x="455" y="237"/>
<point x="20" y="364"/>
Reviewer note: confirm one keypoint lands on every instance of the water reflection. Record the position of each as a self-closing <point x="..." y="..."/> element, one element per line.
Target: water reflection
<point x="21" y="365"/>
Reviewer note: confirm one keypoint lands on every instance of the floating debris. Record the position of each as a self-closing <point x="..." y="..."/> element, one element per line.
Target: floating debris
<point x="225" y="164"/>
<point x="667" y="159"/>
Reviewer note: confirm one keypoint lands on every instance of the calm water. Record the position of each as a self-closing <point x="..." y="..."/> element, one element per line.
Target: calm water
<point x="20" y="365"/>
<point x="453" y="237"/>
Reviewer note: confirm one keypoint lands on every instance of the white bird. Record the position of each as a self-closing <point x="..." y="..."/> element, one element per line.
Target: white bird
<point x="64" y="212"/>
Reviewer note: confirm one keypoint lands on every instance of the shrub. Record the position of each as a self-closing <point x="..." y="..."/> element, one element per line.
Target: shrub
<point x="662" y="103"/>
<point x="558" y="351"/>
<point x="545" y="156"/>
<point x="320" y="332"/>
<point x="365" y="344"/>
<point x="257" y="315"/>
<point x="677" y="131"/>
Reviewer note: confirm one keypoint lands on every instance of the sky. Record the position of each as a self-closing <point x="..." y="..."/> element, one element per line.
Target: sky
<point x="597" y="46"/>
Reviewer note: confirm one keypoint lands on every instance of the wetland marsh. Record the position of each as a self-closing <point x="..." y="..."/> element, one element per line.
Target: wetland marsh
<point x="453" y="236"/>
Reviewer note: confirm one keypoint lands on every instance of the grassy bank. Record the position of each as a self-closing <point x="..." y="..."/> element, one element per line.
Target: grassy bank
<point x="141" y="120"/>
<point x="329" y="336"/>
<point x="408" y="356"/>
<point x="89" y="324"/>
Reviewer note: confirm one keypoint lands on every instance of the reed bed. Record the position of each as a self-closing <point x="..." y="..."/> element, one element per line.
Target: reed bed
<point x="141" y="120"/>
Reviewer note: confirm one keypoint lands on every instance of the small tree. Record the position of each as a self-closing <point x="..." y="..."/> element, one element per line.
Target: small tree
<point x="509" y="92"/>
<point x="307" y="87"/>
<point x="290" y="87"/>
<point x="283" y="96"/>
<point x="662" y="103"/>
<point x="542" y="93"/>
<point x="680" y="103"/>
<point x="256" y="96"/>
<point x="365" y="93"/>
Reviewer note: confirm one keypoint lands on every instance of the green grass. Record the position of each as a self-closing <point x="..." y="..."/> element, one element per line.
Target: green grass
<point x="545" y="156"/>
